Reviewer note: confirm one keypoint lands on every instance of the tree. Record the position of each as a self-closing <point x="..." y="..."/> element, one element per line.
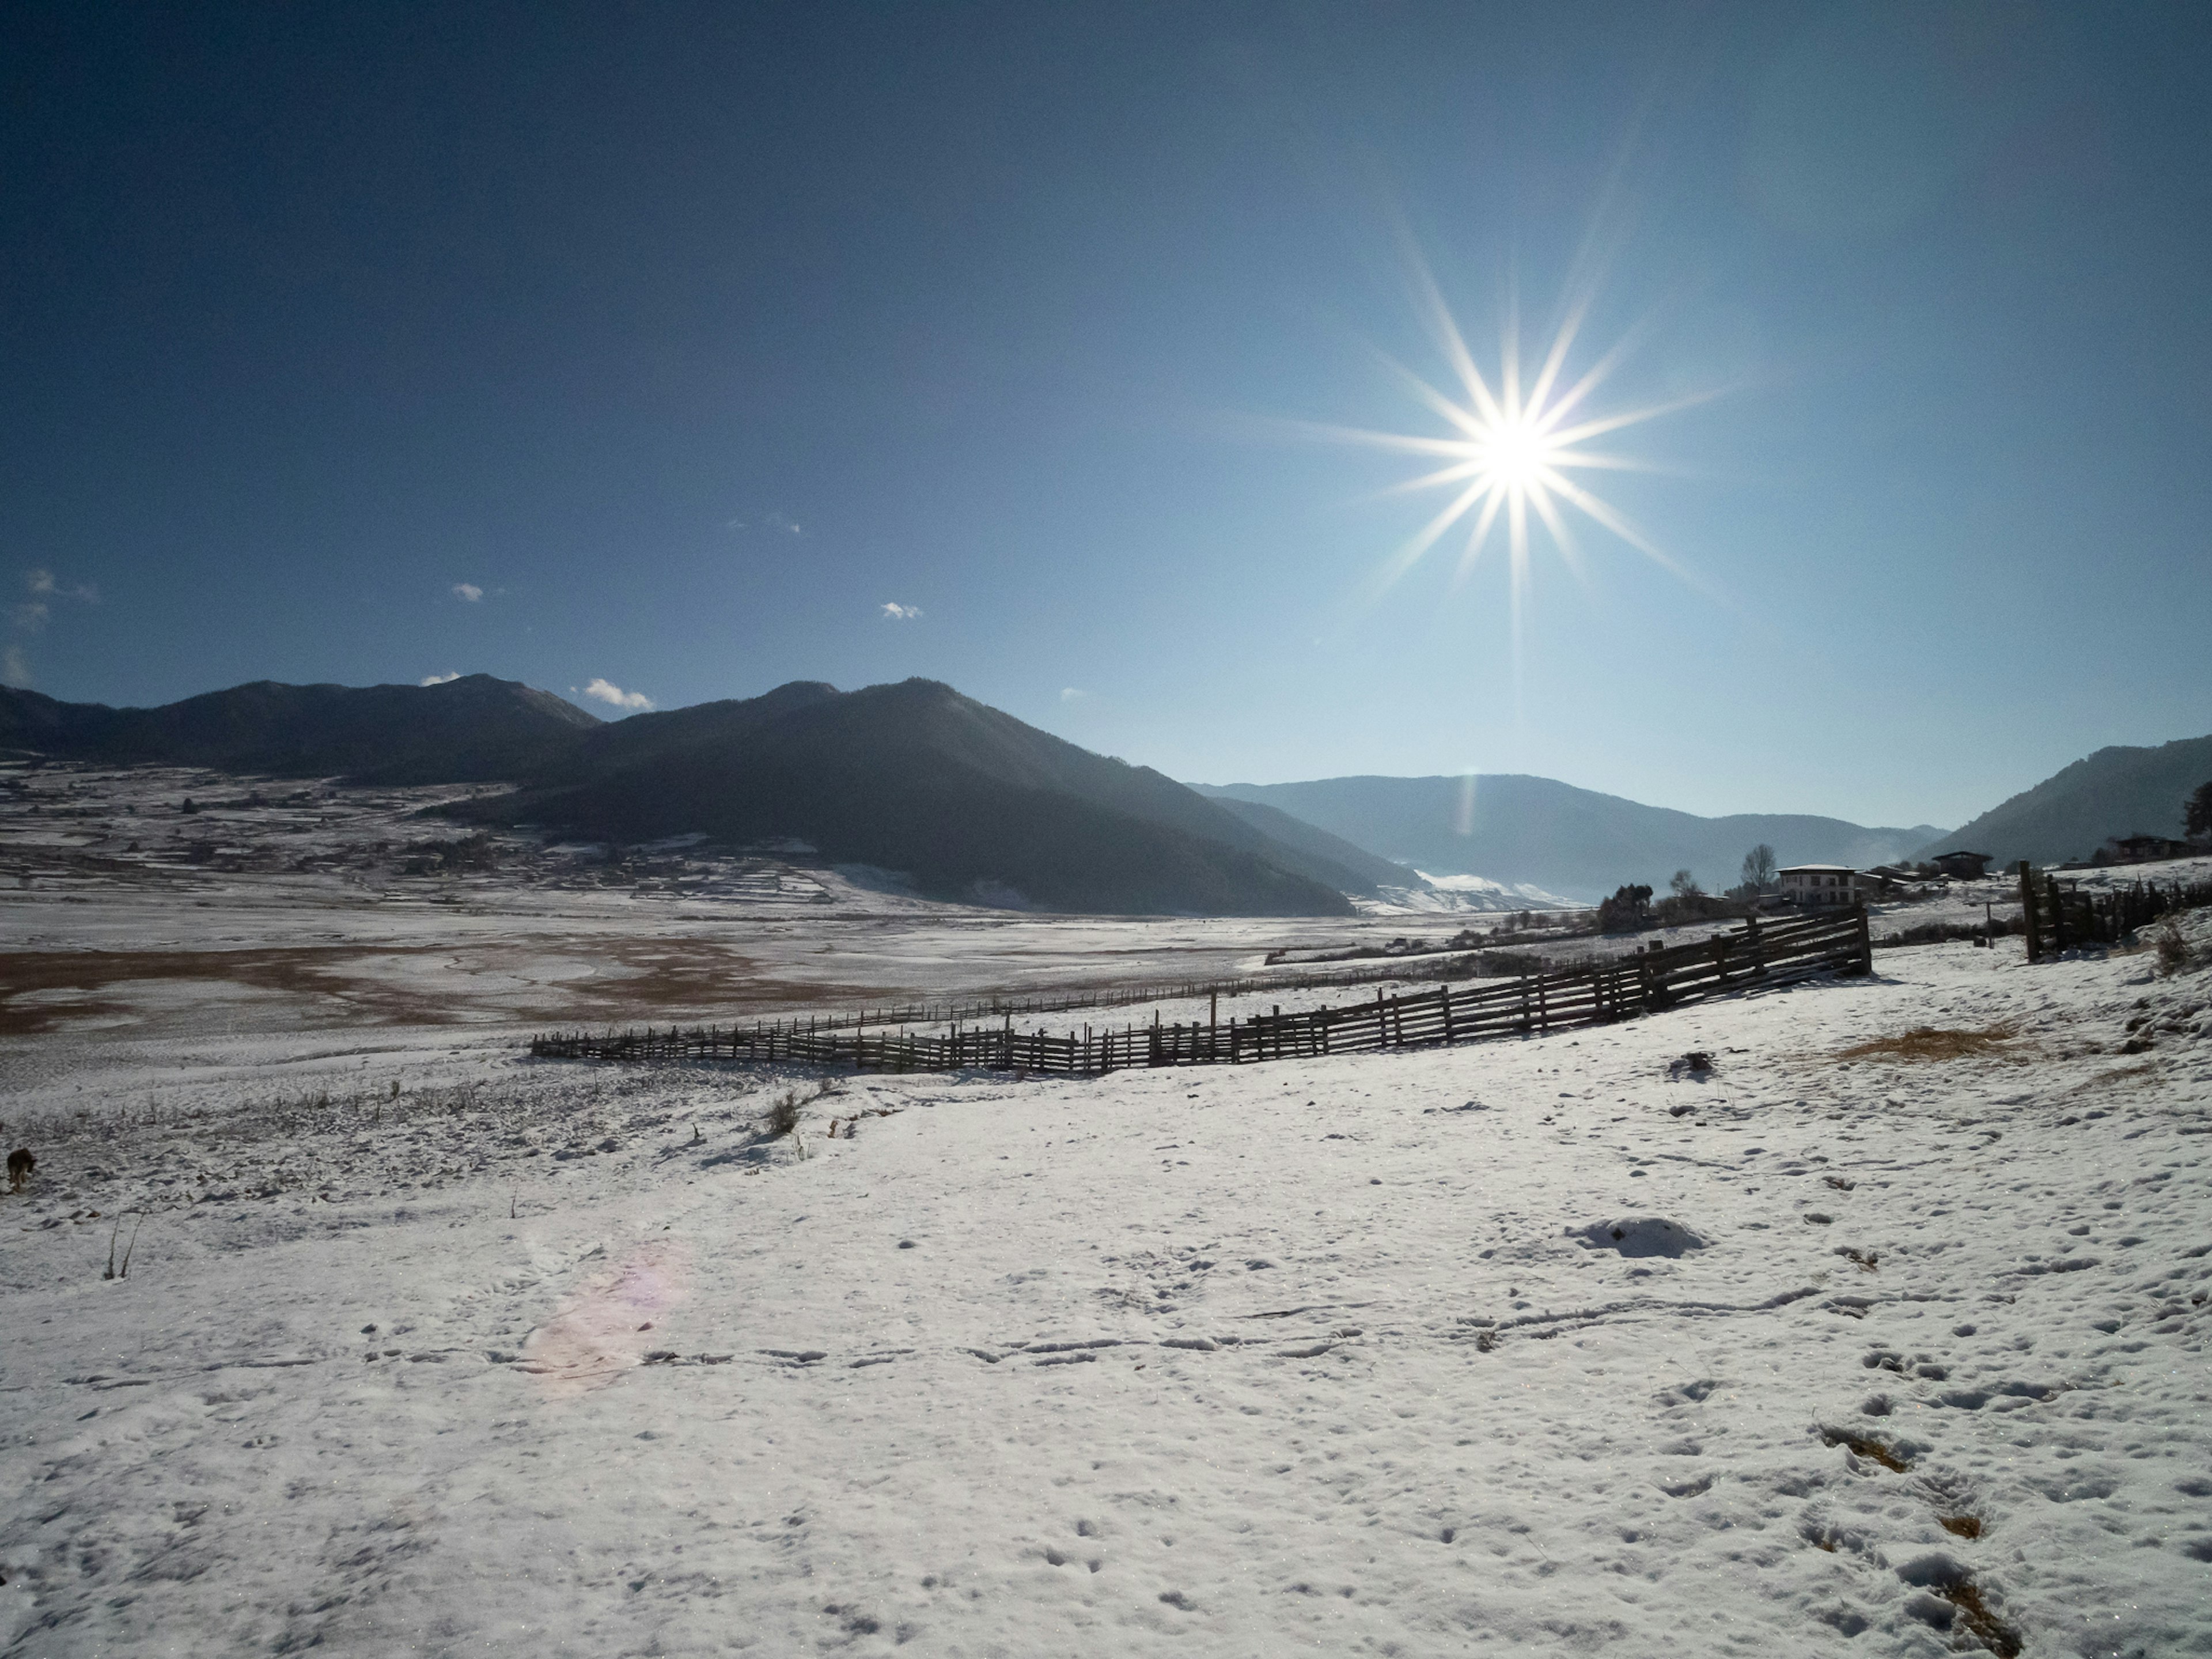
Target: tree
<point x="1684" y="886"/>
<point x="1629" y="908"/>
<point x="2197" y="810"/>
<point x="1759" y="868"/>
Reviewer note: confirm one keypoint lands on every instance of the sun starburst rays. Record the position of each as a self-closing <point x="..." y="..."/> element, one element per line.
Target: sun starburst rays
<point x="1511" y="448"/>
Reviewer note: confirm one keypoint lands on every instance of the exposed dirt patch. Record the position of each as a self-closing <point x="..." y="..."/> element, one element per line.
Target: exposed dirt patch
<point x="525" y="981"/>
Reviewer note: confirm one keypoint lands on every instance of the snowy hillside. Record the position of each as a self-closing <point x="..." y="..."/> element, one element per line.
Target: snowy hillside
<point x="1859" y="1343"/>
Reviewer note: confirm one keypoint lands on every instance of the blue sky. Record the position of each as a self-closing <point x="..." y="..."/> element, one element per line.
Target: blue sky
<point x="667" y="346"/>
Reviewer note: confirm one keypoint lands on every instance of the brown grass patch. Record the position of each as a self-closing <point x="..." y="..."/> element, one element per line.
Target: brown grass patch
<point x="1924" y="1042"/>
<point x="1888" y="1456"/>
<point x="1991" y="1632"/>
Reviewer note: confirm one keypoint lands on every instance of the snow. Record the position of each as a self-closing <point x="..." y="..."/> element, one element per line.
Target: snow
<point x="1480" y="893"/>
<point x="1551" y="1346"/>
<point x="1325" y="1356"/>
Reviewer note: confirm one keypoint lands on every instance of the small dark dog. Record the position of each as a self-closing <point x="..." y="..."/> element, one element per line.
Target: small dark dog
<point x="19" y="1165"/>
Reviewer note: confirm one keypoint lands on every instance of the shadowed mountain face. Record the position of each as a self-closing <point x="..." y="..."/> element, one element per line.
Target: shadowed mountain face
<point x="1550" y="834"/>
<point x="462" y="730"/>
<point x="964" y="800"/>
<point x="916" y="778"/>
<point x="2115" y="792"/>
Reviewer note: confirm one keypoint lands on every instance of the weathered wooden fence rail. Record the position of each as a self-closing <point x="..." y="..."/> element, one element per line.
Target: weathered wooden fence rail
<point x="2057" y="916"/>
<point x="1759" y="953"/>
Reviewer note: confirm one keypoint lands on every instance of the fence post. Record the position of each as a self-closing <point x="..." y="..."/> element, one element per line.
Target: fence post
<point x="2031" y="923"/>
<point x="1444" y="996"/>
<point x="1865" y="935"/>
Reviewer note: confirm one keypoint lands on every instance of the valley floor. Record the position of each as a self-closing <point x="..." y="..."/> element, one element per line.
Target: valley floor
<point x="427" y="1347"/>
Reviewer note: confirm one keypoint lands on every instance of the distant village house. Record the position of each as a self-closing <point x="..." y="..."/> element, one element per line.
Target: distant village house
<point x="1811" y="884"/>
<point x="1963" y="866"/>
<point x="2141" y="849"/>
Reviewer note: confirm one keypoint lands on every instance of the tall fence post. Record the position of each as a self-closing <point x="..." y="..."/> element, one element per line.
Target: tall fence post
<point x="2031" y="923"/>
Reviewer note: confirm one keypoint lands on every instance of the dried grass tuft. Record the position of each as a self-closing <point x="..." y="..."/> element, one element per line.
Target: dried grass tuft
<point x="1927" y="1042"/>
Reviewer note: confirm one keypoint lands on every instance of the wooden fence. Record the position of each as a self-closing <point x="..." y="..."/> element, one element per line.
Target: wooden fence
<point x="2056" y="916"/>
<point x="1759" y="953"/>
<point x="1475" y="962"/>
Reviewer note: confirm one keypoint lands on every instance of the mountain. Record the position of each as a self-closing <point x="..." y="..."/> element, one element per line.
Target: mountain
<point x="2115" y="792"/>
<point x="1518" y="829"/>
<point x="1354" y="869"/>
<point x="460" y="731"/>
<point x="966" y="800"/>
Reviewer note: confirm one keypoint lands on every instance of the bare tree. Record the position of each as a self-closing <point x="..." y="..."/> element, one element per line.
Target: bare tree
<point x="1759" y="868"/>
<point x="2197" y="810"/>
<point x="1685" y="885"/>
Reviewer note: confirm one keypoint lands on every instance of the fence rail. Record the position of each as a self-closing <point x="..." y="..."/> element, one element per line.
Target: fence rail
<point x="1475" y="962"/>
<point x="1650" y="979"/>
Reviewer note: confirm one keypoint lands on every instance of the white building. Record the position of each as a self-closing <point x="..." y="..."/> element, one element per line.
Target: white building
<point x="1813" y="884"/>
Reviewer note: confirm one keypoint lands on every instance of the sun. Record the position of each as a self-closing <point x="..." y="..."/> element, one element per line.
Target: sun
<point x="1517" y="455"/>
<point x="1510" y="446"/>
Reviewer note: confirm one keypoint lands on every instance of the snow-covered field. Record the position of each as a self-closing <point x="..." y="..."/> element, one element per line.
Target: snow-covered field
<point x="278" y="906"/>
<point x="1854" y="1344"/>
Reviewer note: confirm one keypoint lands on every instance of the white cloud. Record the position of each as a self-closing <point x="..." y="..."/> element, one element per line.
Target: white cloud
<point x="15" y="667"/>
<point x="437" y="679"/>
<point x="776" y="522"/>
<point x="1071" y="693"/>
<point x="607" y="692"/>
<point x="896" y="612"/>
<point x="45" y="583"/>
<point x="468" y="590"/>
<point x="30" y="617"/>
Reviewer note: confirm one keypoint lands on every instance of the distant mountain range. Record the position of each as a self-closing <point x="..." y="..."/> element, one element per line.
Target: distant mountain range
<point x="1516" y="829"/>
<point x="963" y="801"/>
<point x="2114" y="792"/>
<point x="967" y="802"/>
<point x="464" y="730"/>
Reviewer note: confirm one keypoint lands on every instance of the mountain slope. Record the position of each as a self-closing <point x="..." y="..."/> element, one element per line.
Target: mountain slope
<point x="1358" y="869"/>
<point x="2118" y="790"/>
<point x="967" y="800"/>
<point x="464" y="730"/>
<point x="1516" y="829"/>
<point x="915" y="777"/>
